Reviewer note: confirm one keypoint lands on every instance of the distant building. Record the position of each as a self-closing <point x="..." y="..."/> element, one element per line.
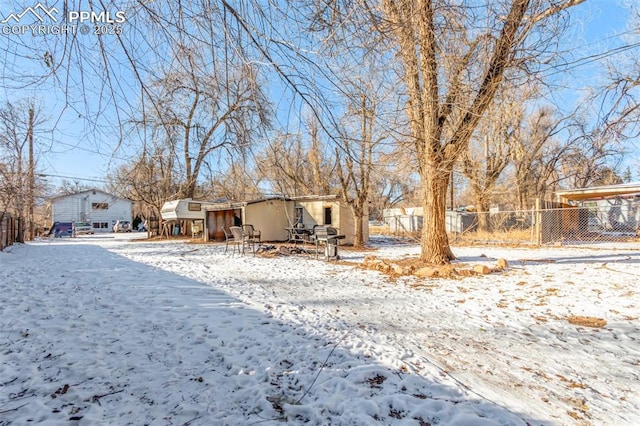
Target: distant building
<point x="408" y="220"/>
<point x="97" y="207"/>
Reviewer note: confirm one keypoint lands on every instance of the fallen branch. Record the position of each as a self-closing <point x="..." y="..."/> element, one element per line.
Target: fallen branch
<point x="96" y="398"/>
<point x="322" y="367"/>
<point x="13" y="409"/>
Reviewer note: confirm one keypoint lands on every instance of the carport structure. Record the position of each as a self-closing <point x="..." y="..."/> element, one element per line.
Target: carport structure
<point x="597" y="214"/>
<point x="598" y="192"/>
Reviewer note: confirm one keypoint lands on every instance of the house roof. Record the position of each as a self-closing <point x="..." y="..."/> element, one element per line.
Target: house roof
<point x="93" y="190"/>
<point x="599" y="192"/>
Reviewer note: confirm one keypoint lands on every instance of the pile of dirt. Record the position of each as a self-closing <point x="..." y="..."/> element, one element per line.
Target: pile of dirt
<point x="415" y="266"/>
<point x="582" y="321"/>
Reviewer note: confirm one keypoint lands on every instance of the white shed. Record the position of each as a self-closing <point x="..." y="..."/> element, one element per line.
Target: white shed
<point x="98" y="207"/>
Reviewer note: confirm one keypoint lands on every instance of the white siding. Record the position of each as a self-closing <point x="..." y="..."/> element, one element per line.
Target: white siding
<point x="81" y="207"/>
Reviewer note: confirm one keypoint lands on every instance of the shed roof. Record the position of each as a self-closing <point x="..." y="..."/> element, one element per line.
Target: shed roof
<point x="599" y="192"/>
<point x="223" y="206"/>
<point x="315" y="197"/>
<point x="230" y="205"/>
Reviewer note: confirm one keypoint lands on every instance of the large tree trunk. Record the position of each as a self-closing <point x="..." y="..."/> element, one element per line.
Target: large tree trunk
<point x="358" y="240"/>
<point x="435" y="242"/>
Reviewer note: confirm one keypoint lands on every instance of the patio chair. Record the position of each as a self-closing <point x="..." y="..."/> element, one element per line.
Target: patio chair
<point x="252" y="233"/>
<point x="298" y="233"/>
<point x="238" y="240"/>
<point x="228" y="238"/>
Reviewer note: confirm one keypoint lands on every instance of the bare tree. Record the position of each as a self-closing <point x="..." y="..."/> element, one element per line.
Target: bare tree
<point x="151" y="179"/>
<point x="236" y="182"/>
<point x="295" y="165"/>
<point x="592" y="160"/>
<point x="184" y="67"/>
<point x="320" y="181"/>
<point x="489" y="151"/>
<point x="619" y="99"/>
<point x="450" y="83"/>
<point x="18" y="174"/>
<point x="536" y="156"/>
<point x="205" y="108"/>
<point x="397" y="180"/>
<point x="67" y="187"/>
<point x="355" y="158"/>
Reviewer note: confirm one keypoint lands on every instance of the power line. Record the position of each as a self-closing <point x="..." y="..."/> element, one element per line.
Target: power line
<point x="592" y="58"/>
<point x="81" y="148"/>
<point x="73" y="177"/>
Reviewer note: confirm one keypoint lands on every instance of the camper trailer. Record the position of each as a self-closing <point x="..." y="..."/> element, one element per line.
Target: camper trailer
<point x="188" y="211"/>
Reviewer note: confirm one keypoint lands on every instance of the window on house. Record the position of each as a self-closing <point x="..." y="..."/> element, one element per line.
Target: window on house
<point x="100" y="206"/>
<point x="327" y="216"/>
<point x="194" y="207"/>
<point x="101" y="225"/>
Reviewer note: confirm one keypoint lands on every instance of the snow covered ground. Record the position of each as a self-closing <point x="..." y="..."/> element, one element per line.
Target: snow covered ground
<point x="104" y="330"/>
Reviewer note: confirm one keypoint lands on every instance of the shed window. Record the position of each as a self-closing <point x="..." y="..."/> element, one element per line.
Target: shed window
<point x="100" y="206"/>
<point x="327" y="216"/>
<point x="195" y="207"/>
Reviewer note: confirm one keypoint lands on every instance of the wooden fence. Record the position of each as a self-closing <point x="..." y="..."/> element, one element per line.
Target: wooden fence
<point x="9" y="230"/>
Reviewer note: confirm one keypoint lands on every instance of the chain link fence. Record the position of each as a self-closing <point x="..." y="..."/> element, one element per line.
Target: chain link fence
<point x="566" y="226"/>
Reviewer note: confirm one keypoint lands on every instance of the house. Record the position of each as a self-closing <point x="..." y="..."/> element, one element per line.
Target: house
<point x="97" y="207"/>
<point x="272" y="216"/>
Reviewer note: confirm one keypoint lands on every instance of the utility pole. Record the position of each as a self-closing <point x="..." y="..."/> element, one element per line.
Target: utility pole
<point x="31" y="176"/>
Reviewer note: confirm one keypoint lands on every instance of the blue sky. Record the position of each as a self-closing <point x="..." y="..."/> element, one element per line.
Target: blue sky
<point x="70" y="154"/>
